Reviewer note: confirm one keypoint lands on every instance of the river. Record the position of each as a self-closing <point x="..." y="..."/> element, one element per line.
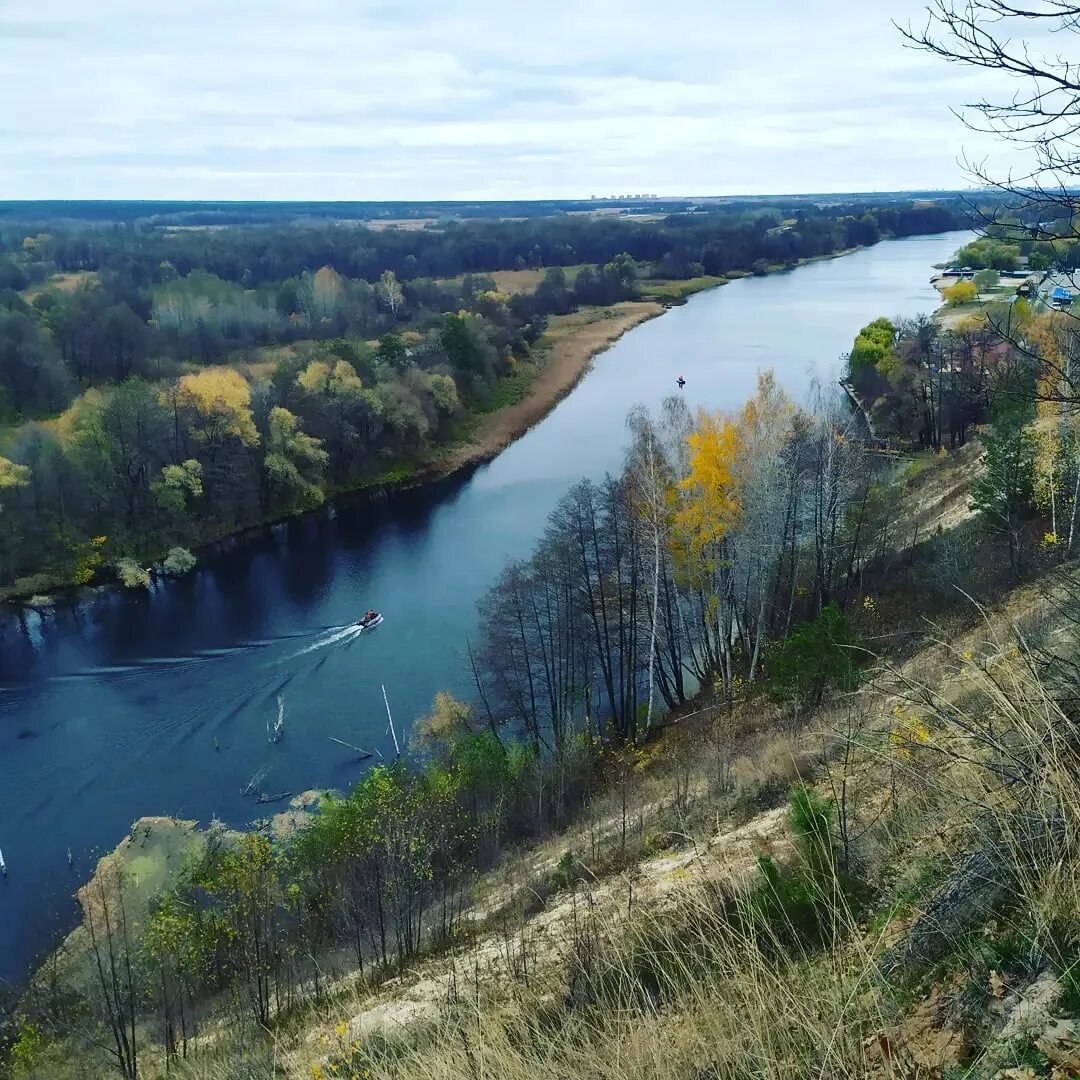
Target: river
<point x="130" y="704"/>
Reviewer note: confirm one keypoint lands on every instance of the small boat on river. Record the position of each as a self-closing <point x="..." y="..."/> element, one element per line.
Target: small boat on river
<point x="370" y="620"/>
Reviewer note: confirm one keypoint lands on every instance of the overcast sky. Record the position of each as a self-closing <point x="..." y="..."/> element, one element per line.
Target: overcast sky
<point x="357" y="99"/>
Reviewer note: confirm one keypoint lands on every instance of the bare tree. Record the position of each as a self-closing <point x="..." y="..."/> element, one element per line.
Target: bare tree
<point x="1027" y="42"/>
<point x="649" y="482"/>
<point x="106" y="922"/>
<point x="390" y="291"/>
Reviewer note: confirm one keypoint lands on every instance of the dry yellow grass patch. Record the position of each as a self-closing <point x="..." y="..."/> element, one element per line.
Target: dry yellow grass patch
<point x="65" y="283"/>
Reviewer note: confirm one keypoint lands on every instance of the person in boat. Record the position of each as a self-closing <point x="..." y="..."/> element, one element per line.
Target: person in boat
<point x="681" y="381"/>
<point x="369" y="617"/>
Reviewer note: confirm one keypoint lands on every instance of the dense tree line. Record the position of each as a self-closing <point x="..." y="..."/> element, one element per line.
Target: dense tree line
<point x="719" y="536"/>
<point x="123" y="439"/>
<point x="925" y="385"/>
<point x="151" y="299"/>
<point x="721" y="239"/>
<point x="165" y="452"/>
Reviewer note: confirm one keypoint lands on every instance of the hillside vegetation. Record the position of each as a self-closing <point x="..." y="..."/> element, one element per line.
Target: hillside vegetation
<point x="776" y="723"/>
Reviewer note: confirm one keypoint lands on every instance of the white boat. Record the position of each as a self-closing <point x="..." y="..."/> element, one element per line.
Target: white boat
<point x="371" y="623"/>
<point x="3" y="865"/>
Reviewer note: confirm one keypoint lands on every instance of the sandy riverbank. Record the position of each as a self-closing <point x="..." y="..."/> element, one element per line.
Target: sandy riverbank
<point x="570" y="348"/>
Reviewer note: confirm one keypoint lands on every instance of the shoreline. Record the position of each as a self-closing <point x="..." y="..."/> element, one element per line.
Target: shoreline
<point x="568" y="359"/>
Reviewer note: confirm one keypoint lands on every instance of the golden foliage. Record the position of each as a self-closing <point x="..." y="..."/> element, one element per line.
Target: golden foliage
<point x="12" y="475"/>
<point x="87" y="558"/>
<point x="221" y="399"/>
<point x="449" y="719"/>
<point x="335" y="380"/>
<point x="710" y="508"/>
<point x="963" y="292"/>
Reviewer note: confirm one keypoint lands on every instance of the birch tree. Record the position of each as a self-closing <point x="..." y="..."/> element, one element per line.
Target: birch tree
<point x="649" y="483"/>
<point x="389" y="291"/>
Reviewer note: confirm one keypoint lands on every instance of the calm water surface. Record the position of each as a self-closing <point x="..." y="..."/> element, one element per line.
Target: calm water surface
<point x="157" y="703"/>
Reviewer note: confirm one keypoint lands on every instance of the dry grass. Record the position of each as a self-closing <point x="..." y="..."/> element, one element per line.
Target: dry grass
<point x="517" y="281"/>
<point x="567" y="346"/>
<point x="678" y="289"/>
<point x="65" y="283"/>
<point x="685" y="990"/>
<point x="652" y="965"/>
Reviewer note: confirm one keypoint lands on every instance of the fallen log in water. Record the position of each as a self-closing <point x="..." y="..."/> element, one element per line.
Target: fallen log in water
<point x="363" y="753"/>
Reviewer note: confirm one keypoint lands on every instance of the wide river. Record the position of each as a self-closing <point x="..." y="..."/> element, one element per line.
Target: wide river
<point x="131" y="704"/>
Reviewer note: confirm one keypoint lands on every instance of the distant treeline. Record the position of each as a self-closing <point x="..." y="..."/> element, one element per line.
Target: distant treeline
<point x="719" y="241"/>
<point x="123" y="440"/>
<point x="143" y="212"/>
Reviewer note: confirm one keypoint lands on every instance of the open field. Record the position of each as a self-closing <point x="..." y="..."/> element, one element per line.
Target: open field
<point x="517" y="281"/>
<point x="62" y="282"/>
<point x="407" y="224"/>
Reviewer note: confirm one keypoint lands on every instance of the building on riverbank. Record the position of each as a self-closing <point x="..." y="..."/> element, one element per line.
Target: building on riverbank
<point x="1057" y="289"/>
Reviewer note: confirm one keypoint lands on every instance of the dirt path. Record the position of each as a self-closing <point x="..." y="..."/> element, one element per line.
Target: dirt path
<point x="572" y="347"/>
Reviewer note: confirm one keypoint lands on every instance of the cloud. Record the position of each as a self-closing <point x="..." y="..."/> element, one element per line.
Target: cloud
<point x="471" y="99"/>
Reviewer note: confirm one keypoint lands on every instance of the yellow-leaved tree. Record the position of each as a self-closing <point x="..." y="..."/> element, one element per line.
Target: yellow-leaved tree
<point x="332" y="380"/>
<point x="737" y="502"/>
<point x="218" y="403"/>
<point x="12" y="475"/>
<point x="294" y="461"/>
<point x="708" y="512"/>
<point x="327" y="290"/>
<point x="963" y="292"/>
<point x="710" y="504"/>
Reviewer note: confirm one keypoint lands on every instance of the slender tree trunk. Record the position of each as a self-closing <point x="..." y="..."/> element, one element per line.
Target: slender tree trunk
<point x="652" y="629"/>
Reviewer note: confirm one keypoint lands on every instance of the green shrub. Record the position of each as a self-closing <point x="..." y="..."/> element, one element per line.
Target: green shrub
<point x="567" y="872"/>
<point x="131" y="574"/>
<point x="178" y="561"/>
<point x="812" y="818"/>
<point x="822" y="653"/>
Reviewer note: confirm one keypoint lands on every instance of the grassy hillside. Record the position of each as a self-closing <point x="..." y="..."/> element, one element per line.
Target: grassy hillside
<point x="881" y="885"/>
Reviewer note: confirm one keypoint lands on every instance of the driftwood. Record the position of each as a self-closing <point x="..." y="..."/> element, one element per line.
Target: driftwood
<point x="273" y="798"/>
<point x="386" y="700"/>
<point x="364" y="754"/>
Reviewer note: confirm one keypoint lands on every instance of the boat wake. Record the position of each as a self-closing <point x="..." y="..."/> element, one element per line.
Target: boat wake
<point x="336" y="635"/>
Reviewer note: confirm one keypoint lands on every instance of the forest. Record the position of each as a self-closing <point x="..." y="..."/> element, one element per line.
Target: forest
<point x="161" y="387"/>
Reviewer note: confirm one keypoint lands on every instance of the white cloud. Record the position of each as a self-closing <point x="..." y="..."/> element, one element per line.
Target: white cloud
<point x="469" y="98"/>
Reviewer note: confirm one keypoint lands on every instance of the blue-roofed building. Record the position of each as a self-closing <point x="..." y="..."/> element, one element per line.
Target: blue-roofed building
<point x="1057" y="290"/>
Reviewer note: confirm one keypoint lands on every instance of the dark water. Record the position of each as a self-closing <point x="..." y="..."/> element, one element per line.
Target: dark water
<point x="158" y="703"/>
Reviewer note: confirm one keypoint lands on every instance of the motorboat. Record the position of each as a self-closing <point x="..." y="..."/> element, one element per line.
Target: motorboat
<point x="370" y="621"/>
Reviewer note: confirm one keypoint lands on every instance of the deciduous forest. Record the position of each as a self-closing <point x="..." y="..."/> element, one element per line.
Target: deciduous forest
<point x="162" y="385"/>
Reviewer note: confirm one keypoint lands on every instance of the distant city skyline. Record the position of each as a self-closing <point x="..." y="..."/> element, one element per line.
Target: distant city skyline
<point x="469" y="100"/>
